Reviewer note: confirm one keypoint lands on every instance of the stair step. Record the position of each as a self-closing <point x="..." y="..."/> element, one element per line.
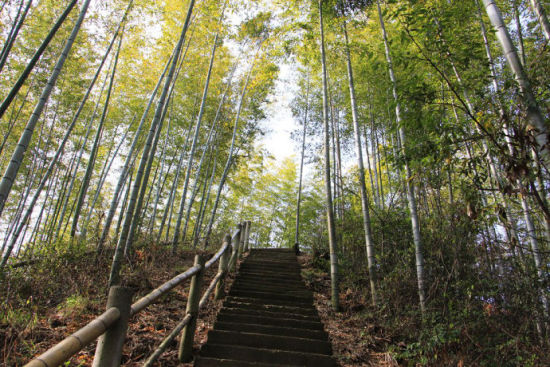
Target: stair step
<point x="271" y="330"/>
<point x="307" y="299"/>
<point x="274" y="302"/>
<point x="274" y="290"/>
<point x="267" y="355"/>
<point x="263" y="313"/>
<point x="264" y="341"/>
<point x="272" y="250"/>
<point x="271" y="308"/>
<point x="265" y="320"/>
<point x="296" y="283"/>
<point x="273" y="261"/>
<point x="285" y="265"/>
<point x="269" y="269"/>
<point x="269" y="278"/>
<point x="268" y="318"/>
<point x="216" y="362"/>
<point x="275" y="285"/>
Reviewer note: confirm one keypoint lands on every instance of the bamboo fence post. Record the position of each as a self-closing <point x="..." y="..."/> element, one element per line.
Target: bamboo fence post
<point x="109" y="346"/>
<point x="247" y="236"/>
<point x="188" y="333"/>
<point x="235" y="244"/>
<point x="222" y="268"/>
<point x="241" y="239"/>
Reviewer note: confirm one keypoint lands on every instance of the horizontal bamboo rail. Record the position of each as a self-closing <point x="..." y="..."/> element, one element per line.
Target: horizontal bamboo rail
<point x="74" y="343"/>
<point x="147" y="300"/>
<point x="63" y="351"/>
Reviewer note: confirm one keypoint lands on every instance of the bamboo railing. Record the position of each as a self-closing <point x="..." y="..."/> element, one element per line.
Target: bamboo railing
<point x="111" y="326"/>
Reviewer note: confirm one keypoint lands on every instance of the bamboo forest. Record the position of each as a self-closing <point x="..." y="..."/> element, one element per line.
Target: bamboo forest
<point x="274" y="183"/>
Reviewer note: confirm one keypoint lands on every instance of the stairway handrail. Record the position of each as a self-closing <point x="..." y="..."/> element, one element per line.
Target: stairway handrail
<point x="68" y="347"/>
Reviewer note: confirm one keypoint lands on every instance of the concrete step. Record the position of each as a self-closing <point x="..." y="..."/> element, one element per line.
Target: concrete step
<point x="288" y="261"/>
<point x="293" y="265"/>
<point x="287" y="315"/>
<point x="261" y="355"/>
<point x="271" y="330"/>
<point x="268" y="276"/>
<point x="271" y="268"/>
<point x="273" y="290"/>
<point x="304" y="299"/>
<point x="250" y="282"/>
<point x="216" y="362"/>
<point x="228" y="316"/>
<point x="271" y="308"/>
<point x="274" y="302"/>
<point x="272" y="250"/>
<point x="268" y="318"/>
<point x="256" y="340"/>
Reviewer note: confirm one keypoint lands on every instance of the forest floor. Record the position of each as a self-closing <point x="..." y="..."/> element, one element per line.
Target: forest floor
<point x="45" y="302"/>
<point x="48" y="301"/>
<point x="356" y="336"/>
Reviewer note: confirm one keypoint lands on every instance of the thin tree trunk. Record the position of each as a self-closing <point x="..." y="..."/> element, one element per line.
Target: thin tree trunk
<point x="330" y="215"/>
<point x="91" y="162"/>
<point x="137" y="215"/>
<point x="35" y="58"/>
<point x="58" y="153"/>
<point x="374" y="147"/>
<point x="124" y="202"/>
<point x="175" y="238"/>
<point x="409" y="186"/>
<point x="361" y="168"/>
<point x="205" y="200"/>
<point x="299" y="199"/>
<point x="15" y="115"/>
<point x="374" y="197"/>
<point x="122" y="244"/>
<point x="103" y="177"/>
<point x="534" y="116"/>
<point x="540" y="13"/>
<point x="124" y="173"/>
<point x="230" y="155"/>
<point x="517" y="19"/>
<point x="163" y="178"/>
<point x="207" y="145"/>
<point x="13" y="35"/>
<point x="12" y="169"/>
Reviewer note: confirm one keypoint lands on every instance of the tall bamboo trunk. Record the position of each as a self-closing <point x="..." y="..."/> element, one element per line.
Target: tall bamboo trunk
<point x="540" y="13"/>
<point x="299" y="199"/>
<point x="58" y="153"/>
<point x="177" y="229"/>
<point x="34" y="60"/>
<point x="419" y="256"/>
<point x="12" y="169"/>
<point x="361" y="168"/>
<point x="103" y="177"/>
<point x="91" y="161"/>
<point x="204" y="201"/>
<point x="524" y="204"/>
<point x="534" y="115"/>
<point x="114" y="277"/>
<point x="229" y="161"/>
<point x="333" y="247"/>
<point x="13" y="34"/>
<point x="137" y="211"/>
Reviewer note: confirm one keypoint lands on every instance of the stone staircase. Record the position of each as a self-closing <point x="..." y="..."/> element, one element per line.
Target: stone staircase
<point x="268" y="318"/>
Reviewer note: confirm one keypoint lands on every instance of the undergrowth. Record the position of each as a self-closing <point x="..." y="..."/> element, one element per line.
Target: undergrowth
<point x="47" y="300"/>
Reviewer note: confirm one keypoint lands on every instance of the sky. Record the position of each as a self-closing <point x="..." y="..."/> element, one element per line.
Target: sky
<point x="280" y="123"/>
